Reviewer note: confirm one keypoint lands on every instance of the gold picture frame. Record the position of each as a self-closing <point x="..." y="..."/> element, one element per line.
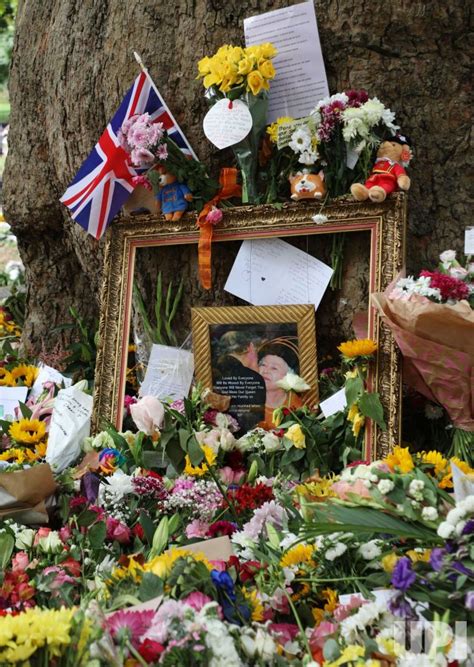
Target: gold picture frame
<point x="299" y="344"/>
<point x="385" y="224"/>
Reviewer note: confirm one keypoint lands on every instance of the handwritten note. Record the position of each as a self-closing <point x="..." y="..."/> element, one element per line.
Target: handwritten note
<point x="169" y="373"/>
<point x="469" y="241"/>
<point x="334" y="403"/>
<point x="227" y="123"/>
<point x="270" y="272"/>
<point x="301" y="80"/>
<point x="10" y="398"/>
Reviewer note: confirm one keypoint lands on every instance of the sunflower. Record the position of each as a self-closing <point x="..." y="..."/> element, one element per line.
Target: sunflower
<point x="24" y="375"/>
<point x="400" y="458"/>
<point x="28" y="431"/>
<point x="363" y="347"/>
<point x="6" y="379"/>
<point x="198" y="471"/>
<point x="255" y="604"/>
<point x="330" y="601"/>
<point x="436" y="460"/>
<point x="447" y="481"/>
<point x="301" y="589"/>
<point x="298" y="555"/>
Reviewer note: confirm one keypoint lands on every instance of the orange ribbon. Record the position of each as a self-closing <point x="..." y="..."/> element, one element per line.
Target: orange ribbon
<point x="229" y="188"/>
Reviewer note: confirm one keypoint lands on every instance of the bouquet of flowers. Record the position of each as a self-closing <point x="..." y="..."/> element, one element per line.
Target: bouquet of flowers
<point x="341" y="134"/>
<point x="149" y="145"/>
<point x="236" y="73"/>
<point x="432" y="321"/>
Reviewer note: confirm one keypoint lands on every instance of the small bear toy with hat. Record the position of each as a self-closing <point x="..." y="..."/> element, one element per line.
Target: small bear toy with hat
<point x="388" y="173"/>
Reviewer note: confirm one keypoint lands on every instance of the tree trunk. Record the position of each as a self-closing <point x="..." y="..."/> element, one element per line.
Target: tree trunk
<point x="72" y="63"/>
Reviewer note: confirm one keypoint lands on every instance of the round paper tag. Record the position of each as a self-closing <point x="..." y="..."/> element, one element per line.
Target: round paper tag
<point x="227" y="123"/>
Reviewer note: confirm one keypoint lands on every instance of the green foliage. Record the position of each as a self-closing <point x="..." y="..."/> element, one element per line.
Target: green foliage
<point x="80" y="362"/>
<point x="164" y="312"/>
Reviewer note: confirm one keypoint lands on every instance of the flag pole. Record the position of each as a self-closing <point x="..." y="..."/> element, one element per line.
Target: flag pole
<point x="148" y="75"/>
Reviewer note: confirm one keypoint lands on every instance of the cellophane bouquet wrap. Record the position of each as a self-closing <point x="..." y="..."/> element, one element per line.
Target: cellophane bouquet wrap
<point x="236" y="73"/>
<point x="437" y="343"/>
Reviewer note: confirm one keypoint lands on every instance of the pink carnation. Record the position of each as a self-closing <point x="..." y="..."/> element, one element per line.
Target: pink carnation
<point x="197" y="528"/>
<point x="214" y="216"/>
<point x="451" y="289"/>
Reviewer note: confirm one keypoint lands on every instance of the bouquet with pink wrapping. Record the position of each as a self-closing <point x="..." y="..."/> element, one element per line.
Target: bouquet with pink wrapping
<point x="437" y="343"/>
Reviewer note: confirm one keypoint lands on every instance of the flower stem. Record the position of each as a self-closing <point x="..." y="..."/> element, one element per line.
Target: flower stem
<point x="298" y="622"/>
<point x="225" y="495"/>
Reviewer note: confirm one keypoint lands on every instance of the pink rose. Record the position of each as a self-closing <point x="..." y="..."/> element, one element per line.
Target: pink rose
<point x="229" y="476"/>
<point x="148" y="414"/>
<point x="116" y="530"/>
<point x="343" y="489"/>
<point x="42" y="532"/>
<point x="214" y="216"/>
<point x="60" y="579"/>
<point x="20" y="561"/>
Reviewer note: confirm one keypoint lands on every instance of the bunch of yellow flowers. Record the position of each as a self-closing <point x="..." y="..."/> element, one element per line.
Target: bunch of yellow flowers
<point x="234" y="66"/>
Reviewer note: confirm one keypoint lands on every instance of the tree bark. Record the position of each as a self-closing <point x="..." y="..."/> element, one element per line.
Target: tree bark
<point x="72" y="63"/>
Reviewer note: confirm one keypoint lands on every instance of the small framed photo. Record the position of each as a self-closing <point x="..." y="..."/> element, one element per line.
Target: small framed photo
<point x="243" y="352"/>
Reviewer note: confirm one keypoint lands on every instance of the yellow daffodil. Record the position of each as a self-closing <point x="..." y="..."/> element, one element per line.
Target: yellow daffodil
<point x="298" y="555"/>
<point x="266" y="69"/>
<point x="25" y="375"/>
<point x="400" y="459"/>
<point x="246" y="65"/>
<point x="6" y="378"/>
<point x="209" y="460"/>
<point x="267" y="50"/>
<point x="255" y="82"/>
<point x="296" y="436"/>
<point x="27" y="431"/>
<point x="357" y="348"/>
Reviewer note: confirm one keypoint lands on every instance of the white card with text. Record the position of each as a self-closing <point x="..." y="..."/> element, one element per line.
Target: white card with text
<point x="10" y="398"/>
<point x="334" y="403"/>
<point x="300" y="81"/>
<point x="169" y="373"/>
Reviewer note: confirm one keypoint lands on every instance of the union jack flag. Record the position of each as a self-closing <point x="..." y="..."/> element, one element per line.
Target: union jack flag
<point x="105" y="181"/>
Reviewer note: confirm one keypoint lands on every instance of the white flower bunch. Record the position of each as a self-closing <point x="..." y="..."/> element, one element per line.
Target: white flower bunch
<point x="405" y="287"/>
<point x="457" y="518"/>
<point x="303" y="143"/>
<point x="334" y="545"/>
<point x="113" y="493"/>
<point x="367" y="615"/>
<point x="257" y="643"/>
<point x="361" y="471"/>
<point x="293" y="382"/>
<point x="370" y="550"/>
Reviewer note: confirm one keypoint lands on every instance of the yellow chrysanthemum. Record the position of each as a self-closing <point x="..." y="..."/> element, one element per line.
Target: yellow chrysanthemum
<point x="25" y="375"/>
<point x="331" y="602"/>
<point x="272" y="130"/>
<point x="435" y="459"/>
<point x="422" y="556"/>
<point x="209" y="460"/>
<point x="362" y="347"/>
<point x="400" y="459"/>
<point x="6" y="378"/>
<point x="255" y="604"/>
<point x="388" y="562"/>
<point x="162" y="565"/>
<point x="28" y="431"/>
<point x="300" y="554"/>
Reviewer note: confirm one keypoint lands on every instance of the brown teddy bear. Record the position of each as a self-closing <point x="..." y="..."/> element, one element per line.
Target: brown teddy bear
<point x="388" y="173"/>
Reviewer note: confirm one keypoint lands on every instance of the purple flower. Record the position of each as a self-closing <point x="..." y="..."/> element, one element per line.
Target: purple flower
<point x="403" y="576"/>
<point x="401" y="607"/>
<point x="468" y="528"/>
<point x="436" y="558"/>
<point x="469" y="604"/>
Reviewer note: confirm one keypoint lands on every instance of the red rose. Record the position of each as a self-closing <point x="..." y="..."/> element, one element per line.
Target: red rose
<point x="150" y="650"/>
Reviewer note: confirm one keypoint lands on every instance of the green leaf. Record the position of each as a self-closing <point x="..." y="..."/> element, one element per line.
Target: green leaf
<point x="160" y="538"/>
<point x="194" y="449"/>
<point x="331" y="650"/>
<point x="96" y="535"/>
<point x="174" y="524"/>
<point x="148" y="526"/>
<point x="353" y="389"/>
<point x="86" y="518"/>
<point x="7" y="544"/>
<point x="176" y="455"/>
<point x="150" y="587"/>
<point x="25" y="410"/>
<point x="152" y="459"/>
<point x="371" y="407"/>
<point x="273" y="535"/>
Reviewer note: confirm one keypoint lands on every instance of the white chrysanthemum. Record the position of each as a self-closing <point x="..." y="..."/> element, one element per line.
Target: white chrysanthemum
<point x="300" y="140"/>
<point x="334" y="552"/>
<point x="388" y="118"/>
<point x="308" y="157"/>
<point x="445" y="530"/>
<point x="429" y="513"/>
<point x="370" y="550"/>
<point x="385" y="486"/>
<point x="372" y="111"/>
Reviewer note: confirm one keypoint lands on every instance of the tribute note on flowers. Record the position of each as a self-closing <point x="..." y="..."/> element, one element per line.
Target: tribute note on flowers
<point x="301" y="77"/>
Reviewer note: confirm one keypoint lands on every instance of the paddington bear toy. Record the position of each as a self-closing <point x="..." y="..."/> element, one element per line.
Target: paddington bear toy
<point x="172" y="196"/>
<point x="388" y="173"/>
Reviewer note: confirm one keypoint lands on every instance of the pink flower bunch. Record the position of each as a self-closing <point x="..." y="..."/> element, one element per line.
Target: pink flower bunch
<point x="451" y="289"/>
<point x="214" y="216"/>
<point x="142" y="138"/>
<point x="200" y="499"/>
<point x="145" y="183"/>
<point x="150" y="486"/>
<point x="332" y="110"/>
